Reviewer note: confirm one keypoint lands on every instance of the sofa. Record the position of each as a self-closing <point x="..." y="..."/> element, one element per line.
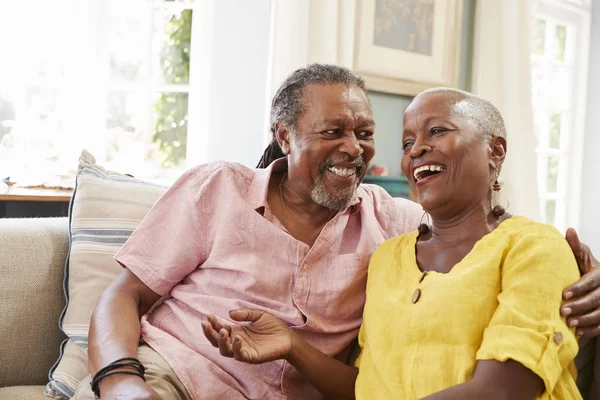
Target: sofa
<point x="32" y="260"/>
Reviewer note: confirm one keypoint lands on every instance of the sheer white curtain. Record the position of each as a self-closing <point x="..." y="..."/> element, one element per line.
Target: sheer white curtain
<point x="502" y="75"/>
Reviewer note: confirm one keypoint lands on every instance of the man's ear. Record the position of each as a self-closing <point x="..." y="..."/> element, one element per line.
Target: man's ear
<point x="498" y="151"/>
<point x="282" y="134"/>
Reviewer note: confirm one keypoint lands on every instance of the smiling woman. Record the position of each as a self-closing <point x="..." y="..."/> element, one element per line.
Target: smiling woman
<point x="468" y="277"/>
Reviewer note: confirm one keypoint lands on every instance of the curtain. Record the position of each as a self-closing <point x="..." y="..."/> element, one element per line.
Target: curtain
<point x="502" y="74"/>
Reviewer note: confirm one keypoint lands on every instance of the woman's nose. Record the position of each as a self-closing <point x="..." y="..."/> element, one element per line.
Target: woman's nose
<point x="419" y="149"/>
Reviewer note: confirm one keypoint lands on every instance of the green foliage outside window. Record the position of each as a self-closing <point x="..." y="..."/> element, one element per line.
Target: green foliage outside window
<point x="171" y="109"/>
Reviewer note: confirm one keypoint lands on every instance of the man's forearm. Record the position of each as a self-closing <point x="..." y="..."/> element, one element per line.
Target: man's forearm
<point x="114" y="329"/>
<point x="331" y="377"/>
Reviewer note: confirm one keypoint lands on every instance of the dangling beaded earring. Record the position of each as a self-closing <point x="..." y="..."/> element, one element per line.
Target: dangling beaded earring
<point x="423" y="227"/>
<point x="497" y="209"/>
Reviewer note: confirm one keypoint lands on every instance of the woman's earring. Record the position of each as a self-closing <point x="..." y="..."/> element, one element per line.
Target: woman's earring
<point x="423" y="227"/>
<point x="497" y="209"/>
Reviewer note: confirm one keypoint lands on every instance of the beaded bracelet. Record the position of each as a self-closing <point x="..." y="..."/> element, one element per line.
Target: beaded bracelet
<point x="109" y="370"/>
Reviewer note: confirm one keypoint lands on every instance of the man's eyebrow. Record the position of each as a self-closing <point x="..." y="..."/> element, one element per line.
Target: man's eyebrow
<point x="366" y="122"/>
<point x="340" y="122"/>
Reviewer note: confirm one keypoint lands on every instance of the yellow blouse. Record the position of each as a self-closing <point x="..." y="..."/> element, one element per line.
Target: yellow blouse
<point x="500" y="302"/>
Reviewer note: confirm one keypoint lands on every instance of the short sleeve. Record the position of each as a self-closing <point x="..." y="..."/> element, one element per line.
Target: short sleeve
<point x="527" y="326"/>
<point x="170" y="242"/>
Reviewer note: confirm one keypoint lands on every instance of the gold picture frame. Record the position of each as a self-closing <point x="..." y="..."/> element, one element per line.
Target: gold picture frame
<point x="406" y="46"/>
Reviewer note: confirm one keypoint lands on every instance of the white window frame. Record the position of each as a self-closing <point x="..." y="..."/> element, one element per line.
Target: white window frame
<point x="576" y="13"/>
<point x="94" y="57"/>
<point x="200" y="37"/>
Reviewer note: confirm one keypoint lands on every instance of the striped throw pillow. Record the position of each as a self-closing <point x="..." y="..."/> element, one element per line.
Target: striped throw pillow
<point x="105" y="209"/>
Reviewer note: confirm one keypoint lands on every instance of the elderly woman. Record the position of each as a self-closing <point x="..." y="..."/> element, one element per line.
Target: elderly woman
<point x="463" y="308"/>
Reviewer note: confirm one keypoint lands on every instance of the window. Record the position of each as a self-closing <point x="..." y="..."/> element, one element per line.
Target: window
<point x="559" y="57"/>
<point x="112" y="76"/>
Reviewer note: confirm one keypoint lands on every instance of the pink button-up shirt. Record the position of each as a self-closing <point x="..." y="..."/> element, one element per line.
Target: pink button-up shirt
<point x="212" y="245"/>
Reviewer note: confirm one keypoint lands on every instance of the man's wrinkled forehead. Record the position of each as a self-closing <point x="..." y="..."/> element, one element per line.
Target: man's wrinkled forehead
<point x="337" y="104"/>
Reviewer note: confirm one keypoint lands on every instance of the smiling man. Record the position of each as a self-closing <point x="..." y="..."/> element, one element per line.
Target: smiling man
<point x="292" y="237"/>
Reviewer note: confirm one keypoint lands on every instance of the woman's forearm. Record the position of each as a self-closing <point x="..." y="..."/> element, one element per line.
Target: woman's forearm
<point x="331" y="377"/>
<point x="467" y="390"/>
<point x="495" y="380"/>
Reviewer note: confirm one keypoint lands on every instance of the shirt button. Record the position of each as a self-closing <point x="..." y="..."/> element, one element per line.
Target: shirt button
<point x="416" y="295"/>
<point x="558" y="338"/>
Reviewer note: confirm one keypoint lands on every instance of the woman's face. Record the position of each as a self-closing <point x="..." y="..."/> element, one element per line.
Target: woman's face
<point x="446" y="158"/>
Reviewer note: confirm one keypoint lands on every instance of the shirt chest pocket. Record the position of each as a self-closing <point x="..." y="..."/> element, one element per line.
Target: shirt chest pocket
<point x="337" y="287"/>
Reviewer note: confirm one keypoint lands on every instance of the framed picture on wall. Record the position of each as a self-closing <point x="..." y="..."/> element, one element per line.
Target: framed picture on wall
<point x="406" y="46"/>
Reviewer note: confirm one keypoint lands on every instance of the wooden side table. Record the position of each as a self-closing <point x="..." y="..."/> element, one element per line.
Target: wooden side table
<point x="34" y="202"/>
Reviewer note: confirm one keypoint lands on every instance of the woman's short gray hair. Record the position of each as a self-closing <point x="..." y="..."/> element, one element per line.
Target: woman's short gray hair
<point x="482" y="112"/>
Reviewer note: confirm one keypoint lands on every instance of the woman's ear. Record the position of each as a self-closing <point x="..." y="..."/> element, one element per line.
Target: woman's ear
<point x="282" y="134"/>
<point x="498" y="151"/>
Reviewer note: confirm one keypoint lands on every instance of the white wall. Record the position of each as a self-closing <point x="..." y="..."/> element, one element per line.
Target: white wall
<point x="235" y="53"/>
<point x="589" y="225"/>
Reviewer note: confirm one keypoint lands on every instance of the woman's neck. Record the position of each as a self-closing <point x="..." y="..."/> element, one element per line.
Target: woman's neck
<point x="469" y="225"/>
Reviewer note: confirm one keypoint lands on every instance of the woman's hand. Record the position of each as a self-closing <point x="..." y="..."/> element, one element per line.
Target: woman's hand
<point x="583" y="308"/>
<point x="260" y="338"/>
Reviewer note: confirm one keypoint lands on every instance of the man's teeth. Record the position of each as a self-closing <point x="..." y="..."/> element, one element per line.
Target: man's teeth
<point x="435" y="168"/>
<point x="345" y="172"/>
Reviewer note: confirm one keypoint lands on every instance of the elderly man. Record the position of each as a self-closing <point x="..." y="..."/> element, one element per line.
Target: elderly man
<point x="293" y="239"/>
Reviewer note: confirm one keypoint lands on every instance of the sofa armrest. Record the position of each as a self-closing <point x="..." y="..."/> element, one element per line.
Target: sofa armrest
<point x="32" y="257"/>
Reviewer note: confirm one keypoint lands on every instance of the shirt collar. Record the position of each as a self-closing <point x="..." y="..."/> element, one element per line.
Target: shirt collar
<point x="259" y="188"/>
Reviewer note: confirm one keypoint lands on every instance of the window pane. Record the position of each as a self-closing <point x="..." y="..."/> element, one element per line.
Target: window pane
<point x="170" y="114"/>
<point x="8" y="114"/>
<point x="552" y="184"/>
<point x="172" y="40"/>
<point x="561" y="42"/>
<point x="538" y="88"/>
<point x="550" y="211"/>
<point x="128" y="41"/>
<point x="125" y="131"/>
<point x="554" y="131"/>
<point x="539" y="39"/>
<point x="559" y="88"/>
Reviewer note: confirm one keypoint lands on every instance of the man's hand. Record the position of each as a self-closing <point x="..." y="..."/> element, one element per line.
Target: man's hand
<point x="583" y="306"/>
<point x="264" y="338"/>
<point x="126" y="387"/>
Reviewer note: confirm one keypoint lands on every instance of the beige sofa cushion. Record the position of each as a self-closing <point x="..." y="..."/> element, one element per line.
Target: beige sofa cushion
<point x="23" y="393"/>
<point x="105" y="210"/>
<point x="32" y="258"/>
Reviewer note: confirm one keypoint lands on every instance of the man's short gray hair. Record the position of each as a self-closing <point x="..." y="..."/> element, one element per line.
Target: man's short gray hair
<point x="483" y="113"/>
<point x="287" y="104"/>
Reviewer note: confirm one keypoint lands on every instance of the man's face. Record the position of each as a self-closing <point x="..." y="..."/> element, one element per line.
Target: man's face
<point x="332" y="145"/>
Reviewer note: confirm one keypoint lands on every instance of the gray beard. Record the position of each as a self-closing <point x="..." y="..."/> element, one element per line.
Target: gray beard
<point x="335" y="202"/>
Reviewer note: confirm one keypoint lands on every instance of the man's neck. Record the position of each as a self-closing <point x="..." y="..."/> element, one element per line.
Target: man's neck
<point x="304" y="209"/>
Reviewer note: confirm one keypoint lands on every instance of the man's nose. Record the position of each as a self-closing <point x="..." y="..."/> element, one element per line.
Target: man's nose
<point x="351" y="146"/>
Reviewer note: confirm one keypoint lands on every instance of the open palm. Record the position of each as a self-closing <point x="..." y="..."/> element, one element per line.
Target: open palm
<point x="261" y="337"/>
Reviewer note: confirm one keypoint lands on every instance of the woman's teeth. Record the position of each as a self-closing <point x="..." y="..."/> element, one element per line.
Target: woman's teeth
<point x="434" y="168"/>
<point x="345" y="172"/>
